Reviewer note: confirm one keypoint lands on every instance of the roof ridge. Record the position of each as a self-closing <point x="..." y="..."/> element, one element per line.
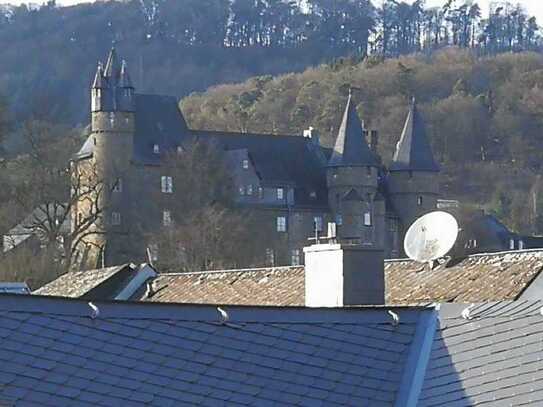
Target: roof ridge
<point x="246" y="270"/>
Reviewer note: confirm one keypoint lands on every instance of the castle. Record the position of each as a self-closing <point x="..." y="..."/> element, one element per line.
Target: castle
<point x="294" y="183"/>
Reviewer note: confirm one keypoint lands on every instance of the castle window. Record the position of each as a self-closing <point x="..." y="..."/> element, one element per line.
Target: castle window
<point x="242" y="191"/>
<point x="79" y="218"/>
<point x="118" y="185"/>
<point x="245" y="164"/>
<point x="512" y="244"/>
<point x="419" y="201"/>
<point x="339" y="219"/>
<point x="156" y="149"/>
<point x="166" y="218"/>
<point x="111" y="119"/>
<point x="166" y="184"/>
<point x="367" y="219"/>
<point x="249" y="190"/>
<point x="115" y="218"/>
<point x="317" y="223"/>
<point x="179" y="150"/>
<point x="280" y="193"/>
<point x="94" y="140"/>
<point x="281" y="224"/>
<point x="368" y="171"/>
<point x="295" y="257"/>
<point x="521" y="244"/>
<point x="260" y="192"/>
<point x="313" y="195"/>
<point x="270" y="257"/>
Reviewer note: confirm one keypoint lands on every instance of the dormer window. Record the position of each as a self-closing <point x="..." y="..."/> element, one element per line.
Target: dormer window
<point x="245" y="164"/>
<point x="156" y="149"/>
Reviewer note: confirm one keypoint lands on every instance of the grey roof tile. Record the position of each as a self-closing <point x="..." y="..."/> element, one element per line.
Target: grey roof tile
<point x="192" y="359"/>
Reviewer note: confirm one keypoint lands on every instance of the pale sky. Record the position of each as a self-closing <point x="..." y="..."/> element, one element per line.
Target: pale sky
<point x="534" y="7"/>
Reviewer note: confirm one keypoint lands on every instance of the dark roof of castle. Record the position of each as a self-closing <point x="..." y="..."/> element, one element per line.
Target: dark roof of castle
<point x="477" y="278"/>
<point x="53" y="352"/>
<point x="352" y="195"/>
<point x="413" y="152"/>
<point x="158" y="121"/>
<point x="351" y="148"/>
<point x="279" y="160"/>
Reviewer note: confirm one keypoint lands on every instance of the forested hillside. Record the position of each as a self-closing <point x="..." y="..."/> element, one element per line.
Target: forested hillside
<point x="49" y="53"/>
<point x="484" y="117"/>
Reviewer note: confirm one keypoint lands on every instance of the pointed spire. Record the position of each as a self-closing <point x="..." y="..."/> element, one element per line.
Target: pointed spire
<point x="112" y="65"/>
<point x="99" y="81"/>
<point x="413" y="152"/>
<point x="351" y="148"/>
<point x="124" y="80"/>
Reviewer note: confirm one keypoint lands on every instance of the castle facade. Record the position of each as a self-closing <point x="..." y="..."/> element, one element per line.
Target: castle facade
<point x="295" y="185"/>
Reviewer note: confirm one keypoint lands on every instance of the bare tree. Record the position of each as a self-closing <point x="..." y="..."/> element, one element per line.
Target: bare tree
<point x="61" y="199"/>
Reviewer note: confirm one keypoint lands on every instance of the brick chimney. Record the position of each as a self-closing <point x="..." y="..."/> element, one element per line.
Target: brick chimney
<point x="338" y="274"/>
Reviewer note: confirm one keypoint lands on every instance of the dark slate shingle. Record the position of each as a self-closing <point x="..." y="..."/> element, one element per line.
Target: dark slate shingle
<point x="261" y="357"/>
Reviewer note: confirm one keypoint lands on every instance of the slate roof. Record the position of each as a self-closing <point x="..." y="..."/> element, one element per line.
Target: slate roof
<point x="492" y="359"/>
<point x="477" y="278"/>
<point x="413" y="152"/>
<point x="77" y="284"/>
<point x="351" y="148"/>
<point x="280" y="160"/>
<point x="53" y="353"/>
<point x="14" y="288"/>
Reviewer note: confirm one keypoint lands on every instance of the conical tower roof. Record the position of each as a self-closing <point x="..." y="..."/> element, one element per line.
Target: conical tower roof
<point x="112" y="70"/>
<point x="413" y="152"/>
<point x="351" y="149"/>
<point x="99" y="81"/>
<point x="124" y="80"/>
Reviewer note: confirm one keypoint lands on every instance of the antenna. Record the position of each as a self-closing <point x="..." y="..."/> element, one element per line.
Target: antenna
<point x="431" y="237"/>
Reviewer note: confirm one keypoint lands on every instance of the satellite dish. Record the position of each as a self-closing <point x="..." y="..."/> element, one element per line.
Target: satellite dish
<point x="431" y="237"/>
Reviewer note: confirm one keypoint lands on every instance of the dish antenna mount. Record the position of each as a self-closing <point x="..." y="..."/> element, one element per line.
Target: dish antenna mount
<point x="431" y="237"/>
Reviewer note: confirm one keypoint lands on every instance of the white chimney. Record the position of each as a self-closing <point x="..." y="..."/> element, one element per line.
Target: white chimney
<point x="338" y="274"/>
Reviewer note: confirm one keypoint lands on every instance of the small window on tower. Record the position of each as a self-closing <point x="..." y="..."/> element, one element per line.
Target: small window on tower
<point x="118" y="185"/>
<point x="166" y="218"/>
<point x="166" y="184"/>
<point x="94" y="140"/>
<point x="419" y="201"/>
<point x="245" y="164"/>
<point x="156" y="149"/>
<point x="115" y="218"/>
<point x="367" y="219"/>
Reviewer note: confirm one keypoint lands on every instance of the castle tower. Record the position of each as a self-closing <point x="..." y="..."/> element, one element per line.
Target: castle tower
<point x="112" y="134"/>
<point x="352" y="179"/>
<point x="413" y="182"/>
